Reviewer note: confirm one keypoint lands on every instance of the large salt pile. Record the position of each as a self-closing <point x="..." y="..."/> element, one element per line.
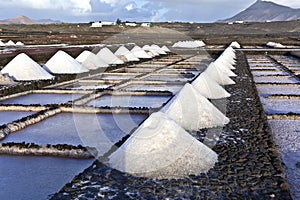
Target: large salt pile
<point x="209" y="88"/>
<point x="158" y="49"/>
<point x="23" y="68"/>
<point x="123" y="51"/>
<point x="63" y="63"/>
<point x="193" y="112"/>
<point x="139" y="52"/>
<point x="150" y="51"/>
<point x="160" y="148"/>
<point x="108" y="56"/>
<point x="218" y="75"/>
<point x="90" y="61"/>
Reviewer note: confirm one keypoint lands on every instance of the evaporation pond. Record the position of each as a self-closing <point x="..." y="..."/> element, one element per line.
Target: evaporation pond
<point x="275" y="79"/>
<point x="280" y="106"/>
<point x="163" y="87"/>
<point x="278" y="90"/>
<point x="42" y="99"/>
<point x="93" y="130"/>
<point x="129" y="101"/>
<point x="35" y="178"/>
<point x="10" y="116"/>
<point x="168" y="78"/>
<point x="267" y="73"/>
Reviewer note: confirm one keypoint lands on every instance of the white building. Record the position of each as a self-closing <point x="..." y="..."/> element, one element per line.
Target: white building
<point x="96" y="24"/>
<point x="146" y="24"/>
<point x="131" y="24"/>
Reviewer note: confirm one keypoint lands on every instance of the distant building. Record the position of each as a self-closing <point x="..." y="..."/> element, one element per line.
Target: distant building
<point x="147" y="25"/>
<point x="131" y="24"/>
<point x="96" y="24"/>
<point x="239" y="22"/>
<point x="101" y="24"/>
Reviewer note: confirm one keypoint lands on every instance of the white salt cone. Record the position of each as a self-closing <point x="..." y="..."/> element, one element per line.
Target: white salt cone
<point x="123" y="51"/>
<point x="90" y="61"/>
<point x="193" y="112"/>
<point x="218" y="75"/>
<point x="108" y="56"/>
<point x="220" y="65"/>
<point x="160" y="148"/>
<point x="209" y="88"/>
<point x="23" y="68"/>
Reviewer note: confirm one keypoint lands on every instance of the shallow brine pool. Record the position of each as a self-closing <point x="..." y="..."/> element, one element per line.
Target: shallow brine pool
<point x="10" y="116"/>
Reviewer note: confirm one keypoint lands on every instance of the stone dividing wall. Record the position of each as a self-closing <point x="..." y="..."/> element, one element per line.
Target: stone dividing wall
<point x="7" y="129"/>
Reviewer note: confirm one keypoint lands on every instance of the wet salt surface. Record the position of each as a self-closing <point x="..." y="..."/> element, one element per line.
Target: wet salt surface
<point x="42" y="99"/>
<point x="267" y="73"/>
<point x="129" y="101"/>
<point x="272" y="79"/>
<point x="34" y="178"/>
<point x="10" y="116"/>
<point x="287" y="137"/>
<point x="273" y="90"/>
<point x="166" y="78"/>
<point x="93" y="130"/>
<point x="280" y="106"/>
<point x="170" y="88"/>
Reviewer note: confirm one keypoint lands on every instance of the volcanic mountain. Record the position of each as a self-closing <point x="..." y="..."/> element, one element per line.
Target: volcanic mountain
<point x="262" y="11"/>
<point x="18" y="20"/>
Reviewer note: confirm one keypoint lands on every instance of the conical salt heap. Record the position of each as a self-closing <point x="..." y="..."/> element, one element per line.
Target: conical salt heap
<point x="90" y="61"/>
<point x="108" y="56"/>
<point x="123" y="51"/>
<point x="2" y="43"/>
<point x="209" y="88"/>
<point x="165" y="49"/>
<point x="218" y="75"/>
<point x="226" y="61"/>
<point x="139" y="52"/>
<point x="158" y="49"/>
<point x="225" y="69"/>
<point x="10" y="43"/>
<point x="23" y="68"/>
<point x="160" y="148"/>
<point x="150" y="51"/>
<point x="63" y="63"/>
<point x="193" y="112"/>
<point x="235" y="44"/>
<point x="19" y="43"/>
<point x="5" y="80"/>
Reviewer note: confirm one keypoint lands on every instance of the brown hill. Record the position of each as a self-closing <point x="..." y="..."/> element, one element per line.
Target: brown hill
<point x="18" y="20"/>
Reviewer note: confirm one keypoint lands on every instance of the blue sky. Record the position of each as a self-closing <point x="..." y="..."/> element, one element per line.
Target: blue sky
<point x="129" y="10"/>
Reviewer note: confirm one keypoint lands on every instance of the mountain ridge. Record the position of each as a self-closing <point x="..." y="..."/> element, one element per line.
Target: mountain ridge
<point x="263" y="11"/>
<point x="26" y="20"/>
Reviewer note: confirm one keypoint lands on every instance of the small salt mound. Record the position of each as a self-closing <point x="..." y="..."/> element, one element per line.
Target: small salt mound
<point x="10" y="43"/>
<point x="150" y="51"/>
<point x="165" y="48"/>
<point x="193" y="112"/>
<point x="123" y="51"/>
<point x="2" y="43"/>
<point x="275" y="45"/>
<point x="161" y="149"/>
<point x="218" y="75"/>
<point x="235" y="44"/>
<point x="108" y="56"/>
<point x="139" y="52"/>
<point x="63" y="63"/>
<point x="19" y="43"/>
<point x="230" y="54"/>
<point x="158" y="49"/>
<point x="225" y="69"/>
<point x="90" y="61"/>
<point x="209" y="88"/>
<point x="189" y="44"/>
<point x="5" y="80"/>
<point x="23" y="68"/>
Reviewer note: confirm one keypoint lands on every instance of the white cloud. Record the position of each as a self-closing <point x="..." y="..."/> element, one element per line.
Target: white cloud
<point x="74" y="6"/>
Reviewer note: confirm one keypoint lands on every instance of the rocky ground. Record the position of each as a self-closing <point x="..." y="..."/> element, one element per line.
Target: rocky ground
<point x="249" y="166"/>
